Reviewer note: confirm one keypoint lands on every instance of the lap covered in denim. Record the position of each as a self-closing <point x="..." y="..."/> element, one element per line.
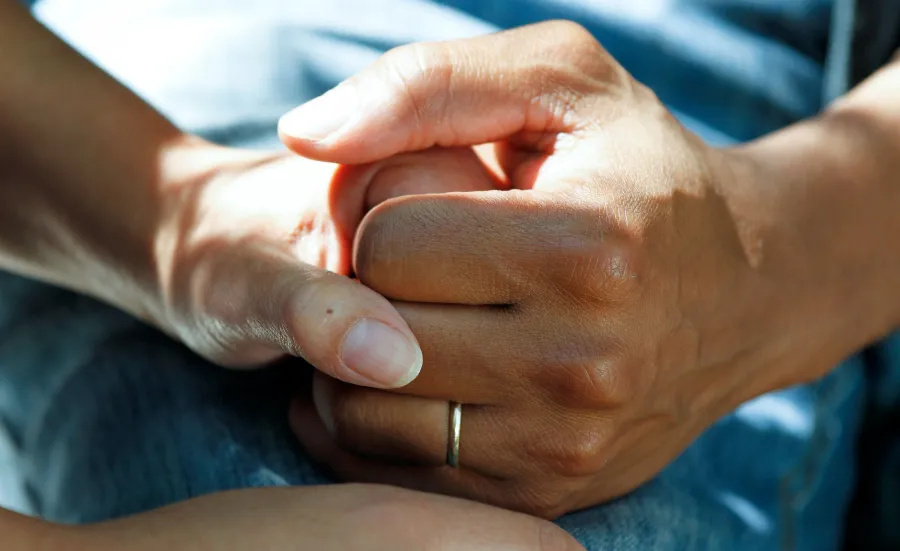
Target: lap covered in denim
<point x="101" y="416"/>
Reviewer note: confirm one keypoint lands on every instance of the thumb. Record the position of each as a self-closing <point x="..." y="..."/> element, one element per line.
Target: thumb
<point x="269" y="303"/>
<point x="527" y="81"/>
<point x="350" y="332"/>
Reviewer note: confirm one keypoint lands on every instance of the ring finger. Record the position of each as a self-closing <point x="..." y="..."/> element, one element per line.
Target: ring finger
<point x="415" y="431"/>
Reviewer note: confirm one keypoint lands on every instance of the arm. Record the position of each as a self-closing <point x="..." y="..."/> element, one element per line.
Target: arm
<point x="223" y="248"/>
<point x="325" y="518"/>
<point x="664" y="282"/>
<point x="28" y="534"/>
<point x="85" y="170"/>
<point x="826" y="197"/>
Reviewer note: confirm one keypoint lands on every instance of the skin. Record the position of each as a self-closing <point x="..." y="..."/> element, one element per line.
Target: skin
<point x="331" y="518"/>
<point x="753" y="268"/>
<point x="75" y="146"/>
<point x="241" y="255"/>
<point x="631" y="288"/>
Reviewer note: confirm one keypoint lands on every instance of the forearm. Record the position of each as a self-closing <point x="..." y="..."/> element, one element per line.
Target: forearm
<point x="86" y="168"/>
<point x="828" y="193"/>
<point x="21" y="533"/>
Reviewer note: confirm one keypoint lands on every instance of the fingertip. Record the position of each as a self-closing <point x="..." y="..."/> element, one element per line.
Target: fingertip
<point x="352" y="333"/>
<point x="344" y="149"/>
<point x="377" y="351"/>
<point x="305" y="147"/>
<point x="298" y="146"/>
<point x="323" y="117"/>
<point x="332" y="128"/>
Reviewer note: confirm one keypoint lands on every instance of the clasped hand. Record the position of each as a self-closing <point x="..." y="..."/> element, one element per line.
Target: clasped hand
<point x="594" y="315"/>
<point x="537" y="238"/>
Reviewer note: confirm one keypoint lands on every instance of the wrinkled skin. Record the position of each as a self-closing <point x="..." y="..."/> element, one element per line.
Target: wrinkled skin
<point x="627" y="291"/>
<point x="243" y="251"/>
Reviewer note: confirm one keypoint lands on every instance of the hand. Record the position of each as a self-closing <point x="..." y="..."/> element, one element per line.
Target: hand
<point x="324" y="518"/>
<point x="255" y="253"/>
<point x="632" y="289"/>
<point x="225" y="249"/>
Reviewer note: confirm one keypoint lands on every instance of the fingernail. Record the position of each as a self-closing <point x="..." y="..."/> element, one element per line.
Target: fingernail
<point x="319" y="118"/>
<point x="381" y="354"/>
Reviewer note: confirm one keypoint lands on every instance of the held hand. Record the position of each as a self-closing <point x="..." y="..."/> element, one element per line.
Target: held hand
<point x="594" y="320"/>
<point x="254" y="259"/>
<point x="324" y="518"/>
<point x="225" y="249"/>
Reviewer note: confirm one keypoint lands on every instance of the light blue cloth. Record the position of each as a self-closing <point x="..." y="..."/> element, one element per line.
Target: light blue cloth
<point x="101" y="416"/>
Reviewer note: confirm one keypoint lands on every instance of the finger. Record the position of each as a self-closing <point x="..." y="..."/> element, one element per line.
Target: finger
<point x="452" y="93"/>
<point x="519" y="356"/>
<point x="495" y="247"/>
<point x="541" y="496"/>
<point x="436" y="170"/>
<point x="372" y="423"/>
<point x="409" y="430"/>
<point x="472" y="354"/>
<point x="355" y="189"/>
<point x="442" y="479"/>
<point x="404" y="429"/>
<point x="262" y="300"/>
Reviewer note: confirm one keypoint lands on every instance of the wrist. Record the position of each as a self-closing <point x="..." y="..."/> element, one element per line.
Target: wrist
<point x="821" y="207"/>
<point x="98" y="228"/>
<point x="189" y="174"/>
<point x="86" y="171"/>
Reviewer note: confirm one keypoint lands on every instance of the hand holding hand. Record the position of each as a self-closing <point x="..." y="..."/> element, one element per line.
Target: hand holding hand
<point x="254" y="258"/>
<point x="630" y="290"/>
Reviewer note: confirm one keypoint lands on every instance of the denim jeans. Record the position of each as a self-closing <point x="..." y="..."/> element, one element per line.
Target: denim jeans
<point x="101" y="416"/>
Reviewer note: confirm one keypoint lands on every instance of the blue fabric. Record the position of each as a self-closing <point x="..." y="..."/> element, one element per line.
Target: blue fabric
<point x="114" y="418"/>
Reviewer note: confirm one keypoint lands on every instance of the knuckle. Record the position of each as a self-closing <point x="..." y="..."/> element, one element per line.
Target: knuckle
<point x="602" y="272"/>
<point x="580" y="48"/>
<point x="581" y="455"/>
<point x="573" y="35"/>
<point x="591" y="382"/>
<point x="619" y="274"/>
<point x="573" y="452"/>
<point x="566" y="66"/>
<point x="625" y="259"/>
<point x="414" y="72"/>
<point x="622" y="376"/>
<point x="583" y="385"/>
<point x="599" y="260"/>
<point x="416" y="60"/>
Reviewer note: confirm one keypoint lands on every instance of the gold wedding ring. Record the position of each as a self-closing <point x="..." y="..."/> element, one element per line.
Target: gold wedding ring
<point x="454" y="424"/>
